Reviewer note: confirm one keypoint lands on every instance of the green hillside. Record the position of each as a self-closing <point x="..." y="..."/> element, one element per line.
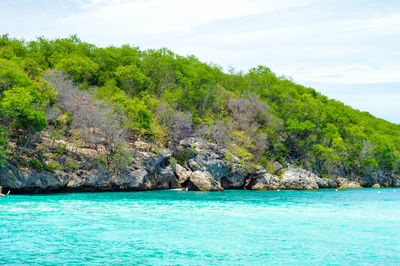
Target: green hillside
<point x="161" y="97"/>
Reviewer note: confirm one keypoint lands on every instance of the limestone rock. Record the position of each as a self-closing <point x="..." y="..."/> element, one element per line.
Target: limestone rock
<point x="133" y="180"/>
<point x="92" y="180"/>
<point x="182" y="174"/>
<point x="395" y="181"/>
<point x="325" y="183"/>
<point x="167" y="179"/>
<point x="299" y="179"/>
<point x="265" y="181"/>
<point x="157" y="161"/>
<point x="198" y="144"/>
<point x="216" y="167"/>
<point x="343" y="183"/>
<point x="194" y="166"/>
<point x="235" y="178"/>
<point x="203" y="181"/>
<point x="9" y="177"/>
<point x="376" y="186"/>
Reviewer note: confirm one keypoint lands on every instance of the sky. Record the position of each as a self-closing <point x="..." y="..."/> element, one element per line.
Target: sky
<point x="348" y="50"/>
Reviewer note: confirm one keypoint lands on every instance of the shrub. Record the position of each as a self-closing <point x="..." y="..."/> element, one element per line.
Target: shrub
<point x="36" y="164"/>
<point x="182" y="156"/>
<point x="52" y="166"/>
<point x="172" y="161"/>
<point x="3" y="146"/>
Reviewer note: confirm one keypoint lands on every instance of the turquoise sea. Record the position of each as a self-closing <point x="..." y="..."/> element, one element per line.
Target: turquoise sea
<point x="202" y="228"/>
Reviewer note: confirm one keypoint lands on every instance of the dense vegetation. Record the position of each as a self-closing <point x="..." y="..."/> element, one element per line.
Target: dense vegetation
<point x="125" y="93"/>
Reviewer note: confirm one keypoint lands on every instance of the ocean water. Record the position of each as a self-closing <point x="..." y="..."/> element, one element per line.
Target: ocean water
<point x="202" y="228"/>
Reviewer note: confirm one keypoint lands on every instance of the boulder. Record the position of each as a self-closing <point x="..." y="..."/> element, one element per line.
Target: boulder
<point x="235" y="178"/>
<point x="343" y="183"/>
<point x="375" y="177"/>
<point x="265" y="181"/>
<point x="326" y="183"/>
<point x="194" y="166"/>
<point x="199" y="144"/>
<point x="155" y="162"/>
<point x="9" y="177"/>
<point x="133" y="180"/>
<point x="375" y="186"/>
<point x="182" y="174"/>
<point x="395" y="181"/>
<point x="75" y="181"/>
<point x="216" y="167"/>
<point x="93" y="180"/>
<point x="203" y="181"/>
<point x="166" y="179"/>
<point x="50" y="181"/>
<point x="299" y="179"/>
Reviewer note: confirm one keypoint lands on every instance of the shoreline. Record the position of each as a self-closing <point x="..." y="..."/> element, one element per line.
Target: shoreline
<point x="206" y="170"/>
<point x="183" y="190"/>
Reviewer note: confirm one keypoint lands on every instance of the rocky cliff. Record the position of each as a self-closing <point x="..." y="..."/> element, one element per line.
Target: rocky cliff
<point x="206" y="169"/>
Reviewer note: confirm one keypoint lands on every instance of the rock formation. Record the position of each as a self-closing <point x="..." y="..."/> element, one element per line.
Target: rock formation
<point x="206" y="170"/>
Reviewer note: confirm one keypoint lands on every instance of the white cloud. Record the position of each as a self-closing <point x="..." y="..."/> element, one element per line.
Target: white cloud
<point x="151" y="17"/>
<point x="346" y="74"/>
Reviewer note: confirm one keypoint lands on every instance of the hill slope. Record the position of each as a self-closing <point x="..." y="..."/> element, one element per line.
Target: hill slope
<point x="159" y="97"/>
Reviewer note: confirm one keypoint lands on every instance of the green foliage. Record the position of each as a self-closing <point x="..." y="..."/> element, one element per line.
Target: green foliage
<point x="61" y="149"/>
<point x="173" y="160"/>
<point x="36" y="164"/>
<point x="182" y="156"/>
<point x="159" y="133"/>
<point x="52" y="166"/>
<point x="70" y="165"/>
<point x="136" y="110"/>
<point x="24" y="96"/>
<point x="81" y="69"/>
<point x="3" y="146"/>
<point x="18" y="107"/>
<point x="238" y="154"/>
<point x="157" y="94"/>
<point x="130" y="79"/>
<point x="121" y="158"/>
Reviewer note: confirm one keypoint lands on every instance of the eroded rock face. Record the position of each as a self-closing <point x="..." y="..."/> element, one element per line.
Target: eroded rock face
<point x="138" y="179"/>
<point x="207" y="169"/>
<point x="235" y="178"/>
<point x="343" y="183"/>
<point x="153" y="163"/>
<point x="395" y="181"/>
<point x="376" y="177"/>
<point x="326" y="183"/>
<point x="8" y="177"/>
<point x="203" y="181"/>
<point x="30" y="180"/>
<point x="265" y="181"/>
<point x="209" y="158"/>
<point x="299" y="179"/>
<point x="216" y="167"/>
<point x="194" y="165"/>
<point x="167" y="179"/>
<point x="375" y="186"/>
<point x="182" y="174"/>
<point x="198" y="144"/>
<point x="91" y="180"/>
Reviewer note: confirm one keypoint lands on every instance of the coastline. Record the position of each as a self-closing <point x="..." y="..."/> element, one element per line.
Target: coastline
<point x="206" y="170"/>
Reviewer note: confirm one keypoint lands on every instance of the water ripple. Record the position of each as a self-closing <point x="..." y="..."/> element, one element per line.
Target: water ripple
<point x="231" y="227"/>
